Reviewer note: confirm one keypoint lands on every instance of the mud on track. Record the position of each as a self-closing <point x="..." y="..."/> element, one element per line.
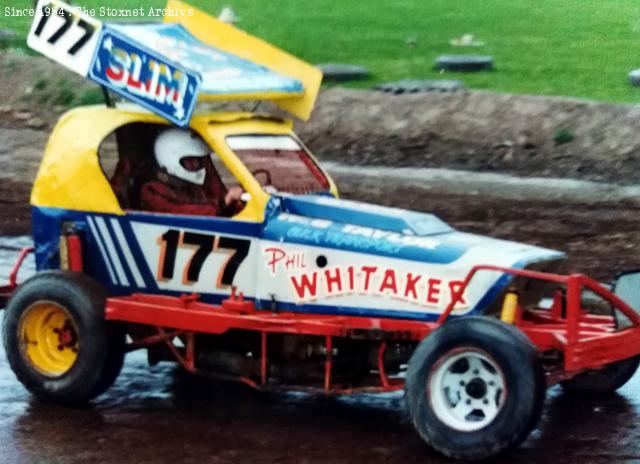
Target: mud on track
<point x="162" y="415"/>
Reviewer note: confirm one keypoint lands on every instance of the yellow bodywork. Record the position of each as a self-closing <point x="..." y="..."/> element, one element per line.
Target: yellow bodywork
<point x="70" y="176"/>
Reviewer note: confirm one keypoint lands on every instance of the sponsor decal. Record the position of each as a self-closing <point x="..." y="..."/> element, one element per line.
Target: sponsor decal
<point x="416" y="288"/>
<point x="307" y="285"/>
<point x="318" y="223"/>
<point x="321" y="231"/>
<point x="393" y="237"/>
<point x="277" y="259"/>
<point x="145" y="77"/>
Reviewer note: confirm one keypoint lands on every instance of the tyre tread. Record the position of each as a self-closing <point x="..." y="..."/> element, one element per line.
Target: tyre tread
<point x="104" y="360"/>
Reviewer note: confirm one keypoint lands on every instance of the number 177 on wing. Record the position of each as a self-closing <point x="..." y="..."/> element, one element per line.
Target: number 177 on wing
<point x="65" y="34"/>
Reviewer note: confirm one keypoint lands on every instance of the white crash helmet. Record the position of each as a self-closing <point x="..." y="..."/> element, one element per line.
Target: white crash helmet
<point x="174" y="147"/>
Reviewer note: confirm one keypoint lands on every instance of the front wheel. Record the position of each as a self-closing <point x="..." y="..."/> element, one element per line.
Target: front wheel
<point x="57" y="340"/>
<point x="474" y="388"/>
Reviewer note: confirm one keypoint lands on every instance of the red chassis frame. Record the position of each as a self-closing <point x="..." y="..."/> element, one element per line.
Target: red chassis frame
<point x="7" y="290"/>
<point x="585" y="341"/>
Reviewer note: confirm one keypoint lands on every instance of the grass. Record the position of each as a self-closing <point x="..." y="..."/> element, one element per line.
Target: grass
<point x="580" y="48"/>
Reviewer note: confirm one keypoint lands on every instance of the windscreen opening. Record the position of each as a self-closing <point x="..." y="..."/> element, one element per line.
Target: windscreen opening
<point x="279" y="162"/>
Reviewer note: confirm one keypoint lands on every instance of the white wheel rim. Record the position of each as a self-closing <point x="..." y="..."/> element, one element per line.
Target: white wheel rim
<point x="466" y="389"/>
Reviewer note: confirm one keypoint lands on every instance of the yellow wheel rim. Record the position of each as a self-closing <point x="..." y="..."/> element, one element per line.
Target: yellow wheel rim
<point x="48" y="338"/>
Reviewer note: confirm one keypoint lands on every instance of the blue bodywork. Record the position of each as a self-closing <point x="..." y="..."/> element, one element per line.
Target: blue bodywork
<point x="112" y="253"/>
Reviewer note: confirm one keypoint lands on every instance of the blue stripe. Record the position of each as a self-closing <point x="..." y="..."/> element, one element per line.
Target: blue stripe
<point x="103" y="239"/>
<point x="333" y="237"/>
<point x="365" y="215"/>
<point x="214" y="224"/>
<point x="217" y="299"/>
<point x="138" y="256"/>
<point x="120" y="254"/>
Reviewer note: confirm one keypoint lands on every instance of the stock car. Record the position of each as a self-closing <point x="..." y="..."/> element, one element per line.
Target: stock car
<point x="297" y="289"/>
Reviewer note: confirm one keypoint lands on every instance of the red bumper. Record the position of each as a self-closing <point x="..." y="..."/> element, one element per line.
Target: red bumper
<point x="7" y="290"/>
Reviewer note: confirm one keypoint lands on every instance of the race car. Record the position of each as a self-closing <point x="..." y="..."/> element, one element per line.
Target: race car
<point x="217" y="240"/>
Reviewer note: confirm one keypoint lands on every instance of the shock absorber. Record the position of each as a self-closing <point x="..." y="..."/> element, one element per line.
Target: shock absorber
<point x="509" y="306"/>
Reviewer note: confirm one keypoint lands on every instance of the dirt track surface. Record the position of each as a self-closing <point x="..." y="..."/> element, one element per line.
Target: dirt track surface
<point x="162" y="415"/>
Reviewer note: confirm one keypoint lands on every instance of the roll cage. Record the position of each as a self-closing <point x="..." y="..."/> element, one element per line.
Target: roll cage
<point x="72" y="155"/>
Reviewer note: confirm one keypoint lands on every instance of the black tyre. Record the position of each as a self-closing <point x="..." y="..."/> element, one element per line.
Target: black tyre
<point x="464" y="63"/>
<point x="342" y="72"/>
<point x="57" y="340"/>
<point x="474" y="388"/>
<point x="603" y="381"/>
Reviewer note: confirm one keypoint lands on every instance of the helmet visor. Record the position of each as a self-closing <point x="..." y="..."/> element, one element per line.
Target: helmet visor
<point x="192" y="163"/>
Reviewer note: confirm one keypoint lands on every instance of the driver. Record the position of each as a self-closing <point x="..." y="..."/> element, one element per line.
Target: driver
<point x="185" y="181"/>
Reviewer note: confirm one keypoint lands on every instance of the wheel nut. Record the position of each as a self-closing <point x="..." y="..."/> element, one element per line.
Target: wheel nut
<point x="486" y="401"/>
<point x="462" y="383"/>
<point x="468" y="401"/>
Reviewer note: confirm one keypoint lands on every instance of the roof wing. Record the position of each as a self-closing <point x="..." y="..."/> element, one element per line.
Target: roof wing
<point x="168" y="67"/>
<point x="225" y="37"/>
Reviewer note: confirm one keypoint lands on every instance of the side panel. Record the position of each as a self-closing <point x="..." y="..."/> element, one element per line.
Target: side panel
<point x="154" y="253"/>
<point x="333" y="281"/>
<point x="196" y="255"/>
<point x="321" y="266"/>
<point x="301" y="264"/>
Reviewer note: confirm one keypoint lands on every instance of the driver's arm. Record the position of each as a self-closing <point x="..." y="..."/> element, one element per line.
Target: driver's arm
<point x="232" y="200"/>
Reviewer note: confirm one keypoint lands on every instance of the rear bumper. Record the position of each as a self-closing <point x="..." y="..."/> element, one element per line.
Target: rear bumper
<point x="7" y="290"/>
<point x="5" y="293"/>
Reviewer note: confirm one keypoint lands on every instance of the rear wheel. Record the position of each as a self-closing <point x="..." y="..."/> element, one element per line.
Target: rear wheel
<point x="57" y="340"/>
<point x="605" y="380"/>
<point x="474" y="388"/>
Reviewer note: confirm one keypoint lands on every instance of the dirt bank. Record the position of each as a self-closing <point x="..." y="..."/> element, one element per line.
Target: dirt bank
<point x="20" y="154"/>
<point x="15" y="218"/>
<point x="478" y="131"/>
